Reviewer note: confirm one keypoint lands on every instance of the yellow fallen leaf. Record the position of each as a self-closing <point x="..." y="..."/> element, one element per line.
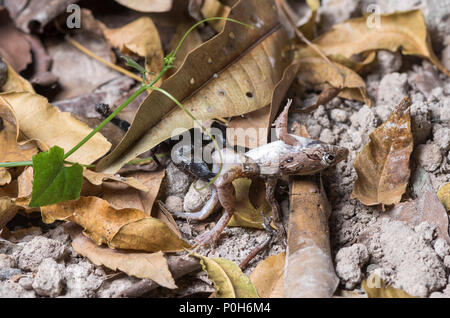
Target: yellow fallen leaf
<point x="147" y="5"/>
<point x="383" y="164"/>
<point x="245" y="213"/>
<point x="41" y="121"/>
<point x="141" y="265"/>
<point x="268" y="276"/>
<point x="375" y="287"/>
<point x="401" y="30"/>
<point x="139" y="37"/>
<point x="444" y="196"/>
<point x="228" y="278"/>
<point x="124" y="228"/>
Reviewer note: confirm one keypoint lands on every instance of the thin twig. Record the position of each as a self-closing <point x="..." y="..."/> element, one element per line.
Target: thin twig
<point x="101" y="60"/>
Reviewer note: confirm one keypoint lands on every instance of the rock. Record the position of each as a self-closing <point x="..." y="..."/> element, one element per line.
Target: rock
<point x="48" y="280"/>
<point x="365" y="118"/>
<point x="58" y="234"/>
<point x="7" y="247"/>
<point x="9" y="289"/>
<point x="82" y="280"/>
<point x="38" y="249"/>
<point x="7" y="261"/>
<point x="174" y="203"/>
<point x="339" y="115"/>
<point x="26" y="282"/>
<point x="428" y="156"/>
<point x="442" y="248"/>
<point x="388" y="62"/>
<point x="441" y="136"/>
<point x="110" y="289"/>
<point x="447" y="261"/>
<point x="349" y="261"/>
<point x="177" y="182"/>
<point x="393" y="88"/>
<point x="426" y="231"/>
<point x="7" y="273"/>
<point x="446" y="57"/>
<point x="195" y="200"/>
<point x="407" y="260"/>
<point x="327" y="136"/>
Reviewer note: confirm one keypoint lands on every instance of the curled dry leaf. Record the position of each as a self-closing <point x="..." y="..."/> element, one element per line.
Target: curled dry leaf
<point x="139" y="37"/>
<point x="401" y="30"/>
<point x="41" y="121"/>
<point x="231" y="74"/>
<point x="245" y="213"/>
<point x="315" y="71"/>
<point x="375" y="287"/>
<point x="124" y="228"/>
<point x="444" y="195"/>
<point x="383" y="164"/>
<point x="147" y="5"/>
<point x="309" y="270"/>
<point x="228" y="278"/>
<point x="214" y="8"/>
<point x="152" y="266"/>
<point x="268" y="276"/>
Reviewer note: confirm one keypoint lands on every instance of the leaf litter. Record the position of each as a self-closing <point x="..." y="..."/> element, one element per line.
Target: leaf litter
<point x="122" y="229"/>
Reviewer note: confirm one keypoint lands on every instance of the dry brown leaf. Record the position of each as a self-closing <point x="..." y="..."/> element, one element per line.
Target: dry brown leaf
<point x="309" y="270"/>
<point x="97" y="178"/>
<point x="124" y="228"/>
<point x="139" y="37"/>
<point x="426" y="206"/>
<point x="444" y="195"/>
<point x="147" y="5"/>
<point x="121" y="197"/>
<point x="383" y="164"/>
<point x="141" y="265"/>
<point x="315" y="71"/>
<point x="14" y="47"/>
<point x="245" y="214"/>
<point x="268" y="276"/>
<point x="375" y="287"/>
<point x="191" y="42"/>
<point x="233" y="73"/>
<point x="39" y="120"/>
<point x="401" y="30"/>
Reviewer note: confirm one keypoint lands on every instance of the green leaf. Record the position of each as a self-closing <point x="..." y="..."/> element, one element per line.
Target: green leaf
<point x="53" y="181"/>
<point x="132" y="63"/>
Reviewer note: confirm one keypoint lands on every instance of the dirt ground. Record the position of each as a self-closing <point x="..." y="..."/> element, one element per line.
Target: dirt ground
<point x="408" y="256"/>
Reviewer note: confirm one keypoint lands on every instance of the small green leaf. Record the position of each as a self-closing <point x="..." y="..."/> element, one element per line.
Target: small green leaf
<point x="54" y="182"/>
<point x="132" y="63"/>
